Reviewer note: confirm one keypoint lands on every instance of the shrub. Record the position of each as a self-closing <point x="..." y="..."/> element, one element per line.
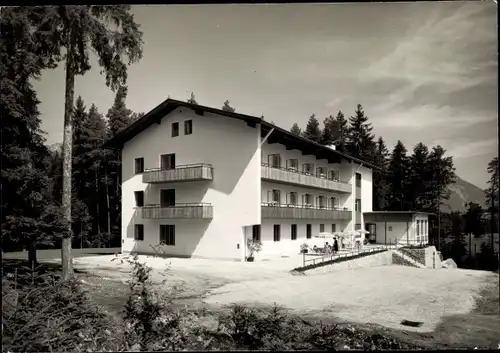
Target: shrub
<point x="254" y="246"/>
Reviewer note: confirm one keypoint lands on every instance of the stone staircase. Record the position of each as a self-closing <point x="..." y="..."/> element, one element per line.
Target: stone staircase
<point x="406" y="258"/>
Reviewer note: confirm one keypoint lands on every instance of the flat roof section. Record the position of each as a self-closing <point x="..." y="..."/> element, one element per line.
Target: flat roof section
<point x="392" y="216"/>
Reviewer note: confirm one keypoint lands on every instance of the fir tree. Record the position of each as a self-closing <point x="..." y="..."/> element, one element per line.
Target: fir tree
<point x="492" y="198"/>
<point x="226" y="107"/>
<point x="440" y="175"/>
<point x="360" y="142"/>
<point x="112" y="34"/>
<point x="312" y="131"/>
<point x="330" y="131"/>
<point x="296" y="130"/>
<point x="380" y="186"/>
<point x="397" y="178"/>
<point x="418" y="177"/>
<point x="343" y="131"/>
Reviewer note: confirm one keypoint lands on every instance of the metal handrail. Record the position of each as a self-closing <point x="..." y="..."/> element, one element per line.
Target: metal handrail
<point x="331" y="256"/>
<point x="183" y="166"/>
<point x="187" y="204"/>
<point x="313" y="174"/>
<point x="313" y="207"/>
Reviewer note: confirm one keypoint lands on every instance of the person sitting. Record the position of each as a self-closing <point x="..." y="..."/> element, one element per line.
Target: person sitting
<point x="326" y="248"/>
<point x="315" y="249"/>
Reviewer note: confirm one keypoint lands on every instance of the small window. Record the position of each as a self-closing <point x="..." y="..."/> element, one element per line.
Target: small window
<point x="357" y="205"/>
<point x="294" y="232"/>
<point x="321" y="228"/>
<point x="167" y="161"/>
<point x="292" y="164"/>
<point x="390" y="229"/>
<point x="308" y="231"/>
<point x="167" y="197"/>
<point x="307" y="200"/>
<point x="277" y="232"/>
<point x="167" y="234"/>
<point x="139" y="232"/>
<point x="292" y="198"/>
<point x="334" y="175"/>
<point x="418" y="228"/>
<point x="139" y="165"/>
<point x="308" y="168"/>
<point x="175" y="129"/>
<point x="334" y="228"/>
<point x="139" y="198"/>
<point x="274" y="160"/>
<point x="256" y="232"/>
<point x="334" y="202"/>
<point x="322" y="202"/>
<point x="358" y="180"/>
<point x="188" y="127"/>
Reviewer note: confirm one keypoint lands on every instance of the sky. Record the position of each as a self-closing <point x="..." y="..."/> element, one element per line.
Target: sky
<point x="423" y="71"/>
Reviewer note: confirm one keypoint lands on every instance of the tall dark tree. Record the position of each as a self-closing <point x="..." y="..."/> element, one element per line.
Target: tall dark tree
<point x="312" y="131"/>
<point x="329" y="134"/>
<point x="296" y="130"/>
<point x="136" y="116"/>
<point x="440" y="175"/>
<point x="418" y="177"/>
<point x="192" y="99"/>
<point x="360" y="139"/>
<point x="112" y="34"/>
<point x="343" y="132"/>
<point x="28" y="218"/>
<point x="226" y="107"/>
<point x="492" y="199"/>
<point x="473" y="220"/>
<point x="397" y="178"/>
<point x="380" y="185"/>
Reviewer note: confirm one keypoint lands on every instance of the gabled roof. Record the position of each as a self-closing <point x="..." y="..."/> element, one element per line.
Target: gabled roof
<point x="279" y="135"/>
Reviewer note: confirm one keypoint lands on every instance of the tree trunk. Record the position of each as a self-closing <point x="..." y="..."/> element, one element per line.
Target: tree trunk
<point x="97" y="201"/>
<point x="107" y="203"/>
<point x="32" y="254"/>
<point x="66" y="259"/>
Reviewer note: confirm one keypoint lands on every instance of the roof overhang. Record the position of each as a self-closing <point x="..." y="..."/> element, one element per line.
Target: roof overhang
<point x="392" y="216"/>
<point x="278" y="135"/>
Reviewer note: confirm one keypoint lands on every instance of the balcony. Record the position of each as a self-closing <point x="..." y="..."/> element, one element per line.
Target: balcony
<point x="178" y="211"/>
<point x="295" y="177"/>
<point x="277" y="211"/>
<point x="181" y="173"/>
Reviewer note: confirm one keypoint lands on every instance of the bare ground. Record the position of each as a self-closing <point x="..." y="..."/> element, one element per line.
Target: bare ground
<point x="458" y="308"/>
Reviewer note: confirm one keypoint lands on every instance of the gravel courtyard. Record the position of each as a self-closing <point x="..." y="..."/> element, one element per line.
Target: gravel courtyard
<point x="383" y="295"/>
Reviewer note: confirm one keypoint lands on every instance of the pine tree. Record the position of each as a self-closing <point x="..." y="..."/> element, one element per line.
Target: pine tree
<point x="226" y="107"/>
<point x="296" y="130"/>
<point x="360" y="142"/>
<point x="492" y="198"/>
<point x="380" y="186"/>
<point x="440" y="174"/>
<point x="330" y="131"/>
<point x="136" y="116"/>
<point x="343" y="131"/>
<point x="397" y="178"/>
<point x="417" y="177"/>
<point x="192" y="99"/>
<point x="111" y="33"/>
<point x="312" y="131"/>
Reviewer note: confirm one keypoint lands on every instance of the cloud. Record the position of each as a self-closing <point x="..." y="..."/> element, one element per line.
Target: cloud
<point x="431" y="117"/>
<point x="468" y="149"/>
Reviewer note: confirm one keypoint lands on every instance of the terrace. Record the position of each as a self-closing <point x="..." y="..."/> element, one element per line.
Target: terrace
<point x="179" y="173"/>
<point x="308" y="211"/>
<point x="200" y="210"/>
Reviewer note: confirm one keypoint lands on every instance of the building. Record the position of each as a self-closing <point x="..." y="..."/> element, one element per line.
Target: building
<point x="398" y="227"/>
<point x="201" y="181"/>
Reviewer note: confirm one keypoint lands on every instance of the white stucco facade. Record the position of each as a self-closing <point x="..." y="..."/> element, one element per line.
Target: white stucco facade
<point x="235" y="151"/>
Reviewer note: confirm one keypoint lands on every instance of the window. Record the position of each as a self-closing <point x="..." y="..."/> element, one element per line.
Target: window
<point x="256" y="232"/>
<point x="334" y="175"/>
<point x="167" y="197"/>
<point x="426" y="230"/>
<point x="418" y="228"/>
<point x="139" y="198"/>
<point x="357" y="205"/>
<point x="307" y="200"/>
<point x="139" y="165"/>
<point x="292" y="164"/>
<point x="334" y="228"/>
<point x="175" y="129"/>
<point x="274" y="160"/>
<point x="167" y="234"/>
<point x="321" y="228"/>
<point x="322" y="202"/>
<point x="390" y="229"/>
<point x="358" y="180"/>
<point x="167" y="161"/>
<point x="294" y="232"/>
<point x="334" y="202"/>
<point x="308" y="231"/>
<point x="277" y="232"/>
<point x="308" y="168"/>
<point x="188" y="127"/>
<point x="139" y="232"/>
<point x="276" y="196"/>
<point x="321" y="172"/>
<point x="292" y="198"/>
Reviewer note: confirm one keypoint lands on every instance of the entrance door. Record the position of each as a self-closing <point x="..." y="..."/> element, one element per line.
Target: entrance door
<point x="372" y="228"/>
<point x="167" y="197"/>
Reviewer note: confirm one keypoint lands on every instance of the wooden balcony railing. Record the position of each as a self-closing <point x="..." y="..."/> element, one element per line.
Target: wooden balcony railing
<point x="279" y="211"/>
<point x="188" y="172"/>
<point x="296" y="177"/>
<point x="178" y="211"/>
